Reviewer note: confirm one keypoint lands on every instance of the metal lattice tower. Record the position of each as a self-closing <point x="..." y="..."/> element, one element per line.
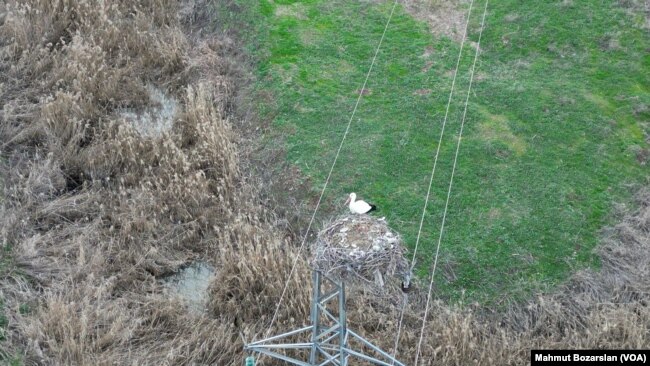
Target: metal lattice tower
<point x="329" y="341"/>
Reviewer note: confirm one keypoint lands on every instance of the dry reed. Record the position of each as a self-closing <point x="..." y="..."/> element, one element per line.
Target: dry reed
<point x="95" y="213"/>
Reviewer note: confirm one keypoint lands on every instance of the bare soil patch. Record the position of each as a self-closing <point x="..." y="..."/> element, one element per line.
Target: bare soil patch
<point x="444" y="17"/>
<point x="365" y="91"/>
<point x="155" y="119"/>
<point x="637" y="7"/>
<point x="190" y="284"/>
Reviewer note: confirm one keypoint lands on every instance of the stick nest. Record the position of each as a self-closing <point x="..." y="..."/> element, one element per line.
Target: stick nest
<point x="359" y="248"/>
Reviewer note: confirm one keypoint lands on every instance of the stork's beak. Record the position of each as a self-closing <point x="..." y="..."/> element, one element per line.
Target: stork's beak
<point x="347" y="201"/>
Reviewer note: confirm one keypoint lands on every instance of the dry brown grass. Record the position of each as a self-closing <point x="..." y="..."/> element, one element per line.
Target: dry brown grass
<point x="95" y="213"/>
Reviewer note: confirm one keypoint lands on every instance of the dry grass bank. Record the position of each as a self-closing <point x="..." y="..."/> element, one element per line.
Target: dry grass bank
<point x="95" y="212"/>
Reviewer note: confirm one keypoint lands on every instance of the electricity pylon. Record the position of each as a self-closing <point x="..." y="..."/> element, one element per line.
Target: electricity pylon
<point x="329" y="343"/>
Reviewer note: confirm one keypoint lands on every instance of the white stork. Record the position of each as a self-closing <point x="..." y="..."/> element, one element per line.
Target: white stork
<point x="360" y="206"/>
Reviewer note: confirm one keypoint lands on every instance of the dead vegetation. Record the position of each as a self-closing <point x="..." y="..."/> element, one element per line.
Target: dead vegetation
<point x="95" y="212"/>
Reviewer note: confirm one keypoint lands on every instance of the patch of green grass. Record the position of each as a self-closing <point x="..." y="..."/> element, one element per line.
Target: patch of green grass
<point x="555" y="117"/>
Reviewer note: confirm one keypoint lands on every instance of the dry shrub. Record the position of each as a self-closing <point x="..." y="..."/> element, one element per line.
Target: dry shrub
<point x="95" y="213"/>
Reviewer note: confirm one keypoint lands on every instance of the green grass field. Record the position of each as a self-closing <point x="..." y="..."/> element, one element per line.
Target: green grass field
<point x="555" y="133"/>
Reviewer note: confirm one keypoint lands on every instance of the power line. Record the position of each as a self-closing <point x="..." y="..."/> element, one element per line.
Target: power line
<point x="451" y="181"/>
<point x="433" y="170"/>
<point x="329" y="175"/>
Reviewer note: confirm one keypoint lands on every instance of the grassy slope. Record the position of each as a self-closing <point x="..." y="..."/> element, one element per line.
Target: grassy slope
<point x="553" y="126"/>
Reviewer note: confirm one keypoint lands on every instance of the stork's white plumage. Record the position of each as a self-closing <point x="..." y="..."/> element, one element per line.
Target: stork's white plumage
<point x="360" y="206"/>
